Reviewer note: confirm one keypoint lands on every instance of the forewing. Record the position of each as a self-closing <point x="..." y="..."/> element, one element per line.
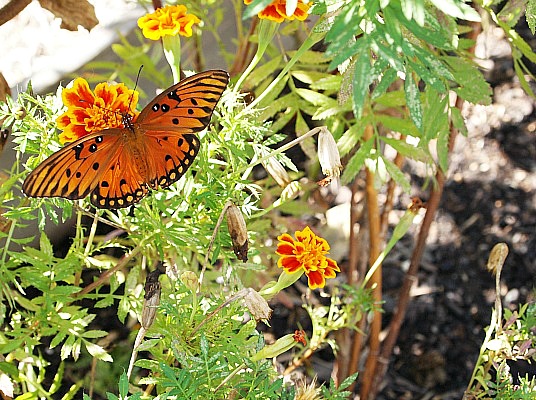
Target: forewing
<point x="187" y="106"/>
<point x="74" y="171"/>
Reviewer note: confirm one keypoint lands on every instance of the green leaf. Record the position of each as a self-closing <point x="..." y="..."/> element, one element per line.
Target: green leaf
<point x="413" y="9"/>
<point x="458" y="121"/>
<point x="46" y="246"/>
<point x="148" y="344"/>
<point x="473" y="86"/>
<point x="348" y="381"/>
<point x="264" y="71"/>
<point x="519" y="68"/>
<point x="123" y="385"/>
<point x="413" y="100"/>
<point x="436" y="115"/>
<point x="457" y="9"/>
<point x="351" y="137"/>
<point x="443" y="149"/>
<point x="330" y="82"/>
<point x="97" y="351"/>
<point x="406" y="149"/>
<point x="361" y="83"/>
<point x="93" y="334"/>
<point x="387" y="78"/>
<point x="530" y="15"/>
<point x="356" y="162"/>
<point x="400" y="125"/>
<point x="340" y="34"/>
<point x="317" y="99"/>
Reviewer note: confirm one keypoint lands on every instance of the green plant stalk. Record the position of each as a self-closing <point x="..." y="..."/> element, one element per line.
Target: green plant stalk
<point x="267" y="30"/>
<point x="172" y="51"/>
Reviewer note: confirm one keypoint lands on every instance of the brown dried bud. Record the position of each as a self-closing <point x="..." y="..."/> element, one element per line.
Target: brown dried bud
<point x="151" y="299"/>
<point x="238" y="231"/>
<point x="257" y="305"/>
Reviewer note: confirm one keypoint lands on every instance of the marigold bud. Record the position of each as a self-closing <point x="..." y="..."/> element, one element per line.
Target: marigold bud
<point x="282" y="344"/>
<point x="190" y="280"/>
<point x="238" y="231"/>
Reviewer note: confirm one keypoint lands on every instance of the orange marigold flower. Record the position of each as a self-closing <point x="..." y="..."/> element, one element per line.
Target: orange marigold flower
<point x="167" y="21"/>
<point x="308" y="252"/>
<point x="277" y="11"/>
<point x="89" y="112"/>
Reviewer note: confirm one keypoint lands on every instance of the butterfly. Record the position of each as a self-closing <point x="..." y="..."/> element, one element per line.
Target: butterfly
<point x="117" y="166"/>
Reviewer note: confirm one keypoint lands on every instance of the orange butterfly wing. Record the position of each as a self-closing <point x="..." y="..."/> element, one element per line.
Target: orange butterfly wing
<point x="170" y="121"/>
<point x="117" y="165"/>
<point x="74" y="171"/>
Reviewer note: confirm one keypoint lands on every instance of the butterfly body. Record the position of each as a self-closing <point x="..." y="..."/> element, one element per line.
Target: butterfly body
<point x="118" y="166"/>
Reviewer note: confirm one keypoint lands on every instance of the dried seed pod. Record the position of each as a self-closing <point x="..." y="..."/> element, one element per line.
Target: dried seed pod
<point x="257" y="305"/>
<point x="238" y="231"/>
<point x="151" y="298"/>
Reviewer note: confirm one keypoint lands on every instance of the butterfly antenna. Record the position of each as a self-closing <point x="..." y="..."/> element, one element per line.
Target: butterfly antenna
<point x="135" y="85"/>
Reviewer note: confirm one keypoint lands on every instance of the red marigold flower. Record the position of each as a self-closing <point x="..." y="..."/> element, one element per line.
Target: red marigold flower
<point x="277" y="10"/>
<point x="167" y="21"/>
<point x="89" y="111"/>
<point x="308" y="252"/>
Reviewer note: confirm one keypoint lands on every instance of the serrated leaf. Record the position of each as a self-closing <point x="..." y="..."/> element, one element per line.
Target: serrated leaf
<point x="348" y="381"/>
<point x="97" y="351"/>
<point x="148" y="344"/>
<point x="397" y="175"/>
<point x="263" y="72"/>
<point x="530" y="15"/>
<point x="93" y="334"/>
<point x="356" y="162"/>
<point x="436" y="115"/>
<point x="330" y="82"/>
<point x="406" y="149"/>
<point x="387" y="78"/>
<point x="123" y="385"/>
<point x="413" y="9"/>
<point x="457" y="9"/>
<point x="458" y="121"/>
<point x="413" y="100"/>
<point x="473" y="86"/>
<point x="317" y="99"/>
<point x="361" y="83"/>
<point x="443" y="149"/>
<point x="351" y="137"/>
<point x="518" y="68"/>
